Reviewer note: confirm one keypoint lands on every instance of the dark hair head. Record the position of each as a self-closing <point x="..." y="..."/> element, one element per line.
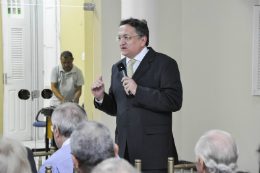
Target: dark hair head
<point x="140" y="26"/>
<point x="66" y="54"/>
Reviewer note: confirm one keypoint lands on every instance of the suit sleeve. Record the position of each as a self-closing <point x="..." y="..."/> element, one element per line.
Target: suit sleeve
<point x="108" y="105"/>
<point x="168" y="97"/>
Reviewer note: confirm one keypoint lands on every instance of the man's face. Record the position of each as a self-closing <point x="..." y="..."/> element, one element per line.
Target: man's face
<point x="132" y="47"/>
<point x="66" y="63"/>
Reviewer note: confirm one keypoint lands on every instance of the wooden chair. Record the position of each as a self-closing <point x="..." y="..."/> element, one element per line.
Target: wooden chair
<point x="183" y="165"/>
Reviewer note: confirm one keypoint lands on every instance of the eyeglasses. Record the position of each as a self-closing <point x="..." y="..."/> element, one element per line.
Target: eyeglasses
<point x="52" y="128"/>
<point x="126" y="38"/>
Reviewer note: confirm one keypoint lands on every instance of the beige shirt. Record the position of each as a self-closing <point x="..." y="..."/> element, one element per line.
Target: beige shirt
<point x="67" y="83"/>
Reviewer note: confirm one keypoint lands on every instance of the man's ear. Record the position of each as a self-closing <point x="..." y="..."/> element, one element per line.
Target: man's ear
<point x="75" y="162"/>
<point x="116" y="149"/>
<point x="202" y="165"/>
<point x="144" y="40"/>
<point x="57" y="132"/>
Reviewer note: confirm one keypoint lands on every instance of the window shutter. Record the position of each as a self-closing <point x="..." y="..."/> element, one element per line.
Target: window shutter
<point x="17" y="53"/>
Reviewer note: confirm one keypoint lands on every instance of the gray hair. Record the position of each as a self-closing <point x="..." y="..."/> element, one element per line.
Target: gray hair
<point x="91" y="143"/>
<point x="218" y="150"/>
<point x="67" y="117"/>
<point x="114" y="165"/>
<point x="13" y="156"/>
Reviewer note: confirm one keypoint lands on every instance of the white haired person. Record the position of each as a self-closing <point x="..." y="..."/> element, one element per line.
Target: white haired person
<point x="13" y="156"/>
<point x="216" y="152"/>
<point x="91" y="143"/>
<point x="65" y="120"/>
<point x="114" y="165"/>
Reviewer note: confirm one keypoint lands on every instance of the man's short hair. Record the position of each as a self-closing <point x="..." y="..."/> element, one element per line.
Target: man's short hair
<point x="67" y="117"/>
<point x="91" y="143"/>
<point x="114" y="165"/>
<point x="13" y="156"/>
<point x="66" y="54"/>
<point x="140" y="26"/>
<point x="218" y="150"/>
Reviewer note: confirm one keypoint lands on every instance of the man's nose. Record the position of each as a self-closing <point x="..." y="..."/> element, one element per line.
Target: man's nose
<point x="122" y="42"/>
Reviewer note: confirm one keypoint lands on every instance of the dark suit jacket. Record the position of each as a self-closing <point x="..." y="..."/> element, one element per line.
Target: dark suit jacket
<point x="144" y="121"/>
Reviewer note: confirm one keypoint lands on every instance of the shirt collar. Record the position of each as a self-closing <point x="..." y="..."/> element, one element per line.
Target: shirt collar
<point x="73" y="70"/>
<point x="66" y="142"/>
<point x="140" y="56"/>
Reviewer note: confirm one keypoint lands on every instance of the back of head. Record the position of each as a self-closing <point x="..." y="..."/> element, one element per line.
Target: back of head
<point x="13" y="157"/>
<point x="91" y="143"/>
<point x="67" y="117"/>
<point x="218" y="150"/>
<point x="140" y="26"/>
<point x="114" y="165"/>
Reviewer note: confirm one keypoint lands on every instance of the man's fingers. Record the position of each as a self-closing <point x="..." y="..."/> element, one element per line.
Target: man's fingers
<point x="126" y="91"/>
<point x="97" y="84"/>
<point x="125" y="78"/>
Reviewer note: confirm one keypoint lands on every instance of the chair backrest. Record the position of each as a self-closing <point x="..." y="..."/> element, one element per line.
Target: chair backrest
<point x="48" y="169"/>
<point x="138" y="164"/>
<point x="183" y="166"/>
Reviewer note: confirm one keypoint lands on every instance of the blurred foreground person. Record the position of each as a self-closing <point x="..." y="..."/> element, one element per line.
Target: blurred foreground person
<point x="216" y="152"/>
<point x="13" y="157"/>
<point x="65" y="120"/>
<point x="91" y="143"/>
<point x="114" y="165"/>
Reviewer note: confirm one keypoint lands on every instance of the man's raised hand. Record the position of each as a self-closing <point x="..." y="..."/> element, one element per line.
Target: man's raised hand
<point x="98" y="89"/>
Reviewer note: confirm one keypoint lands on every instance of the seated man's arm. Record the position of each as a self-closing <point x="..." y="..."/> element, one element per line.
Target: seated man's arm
<point x="77" y="94"/>
<point x="57" y="93"/>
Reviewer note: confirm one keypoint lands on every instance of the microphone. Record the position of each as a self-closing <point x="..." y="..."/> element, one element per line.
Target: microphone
<point x="121" y="69"/>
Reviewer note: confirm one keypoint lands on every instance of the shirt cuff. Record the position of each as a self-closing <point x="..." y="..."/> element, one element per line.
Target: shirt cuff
<point x="99" y="101"/>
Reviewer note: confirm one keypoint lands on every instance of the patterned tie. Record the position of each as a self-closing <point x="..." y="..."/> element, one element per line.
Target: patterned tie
<point x="130" y="70"/>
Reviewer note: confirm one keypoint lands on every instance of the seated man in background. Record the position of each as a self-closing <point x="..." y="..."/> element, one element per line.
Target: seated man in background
<point x="91" y="143"/>
<point x="65" y="119"/>
<point x="13" y="157"/>
<point x="216" y="152"/>
<point x="114" y="165"/>
<point x="66" y="81"/>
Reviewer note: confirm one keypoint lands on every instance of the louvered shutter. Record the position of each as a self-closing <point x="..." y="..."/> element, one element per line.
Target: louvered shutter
<point x="17" y="53"/>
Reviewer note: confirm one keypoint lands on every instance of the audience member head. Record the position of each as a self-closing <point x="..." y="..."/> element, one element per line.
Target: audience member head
<point x="91" y="143"/>
<point x="13" y="156"/>
<point x="114" y="165"/>
<point x="65" y="119"/>
<point x="216" y="152"/>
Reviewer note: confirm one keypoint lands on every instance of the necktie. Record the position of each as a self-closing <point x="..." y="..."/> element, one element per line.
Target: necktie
<point x="130" y="70"/>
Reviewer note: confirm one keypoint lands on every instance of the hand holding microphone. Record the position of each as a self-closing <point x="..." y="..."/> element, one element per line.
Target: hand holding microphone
<point x="128" y="83"/>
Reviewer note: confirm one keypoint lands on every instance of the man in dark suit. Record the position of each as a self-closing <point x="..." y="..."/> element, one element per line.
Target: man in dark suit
<point x="144" y="117"/>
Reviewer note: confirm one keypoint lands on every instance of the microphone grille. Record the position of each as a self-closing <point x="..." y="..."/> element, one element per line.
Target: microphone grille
<point x="120" y="66"/>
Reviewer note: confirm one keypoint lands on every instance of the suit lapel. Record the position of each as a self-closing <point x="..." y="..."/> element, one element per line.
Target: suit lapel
<point x="144" y="65"/>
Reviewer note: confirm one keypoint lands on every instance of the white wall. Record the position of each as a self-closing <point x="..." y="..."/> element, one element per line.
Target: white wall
<point x="110" y="19"/>
<point x="217" y="75"/>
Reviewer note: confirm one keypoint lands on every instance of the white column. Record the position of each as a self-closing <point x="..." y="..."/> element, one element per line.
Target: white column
<point x="144" y="9"/>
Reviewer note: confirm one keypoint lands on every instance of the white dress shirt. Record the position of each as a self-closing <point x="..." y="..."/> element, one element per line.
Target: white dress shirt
<point x="138" y="59"/>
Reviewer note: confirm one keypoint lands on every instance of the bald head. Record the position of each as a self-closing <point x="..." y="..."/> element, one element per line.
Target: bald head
<point x="218" y="150"/>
